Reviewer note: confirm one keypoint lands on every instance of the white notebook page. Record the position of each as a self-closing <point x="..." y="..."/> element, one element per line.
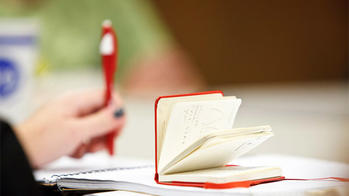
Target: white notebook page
<point x="190" y="121"/>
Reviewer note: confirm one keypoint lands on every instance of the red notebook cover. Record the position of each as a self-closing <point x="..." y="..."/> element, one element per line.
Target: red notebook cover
<point x="207" y="185"/>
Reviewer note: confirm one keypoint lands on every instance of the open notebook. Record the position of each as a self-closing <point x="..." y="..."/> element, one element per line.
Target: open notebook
<point x="195" y="141"/>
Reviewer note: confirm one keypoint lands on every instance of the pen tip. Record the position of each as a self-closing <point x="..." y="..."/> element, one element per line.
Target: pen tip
<point x="106" y="23"/>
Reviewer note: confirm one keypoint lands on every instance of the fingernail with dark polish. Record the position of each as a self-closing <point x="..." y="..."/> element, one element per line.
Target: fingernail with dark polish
<point x="119" y="113"/>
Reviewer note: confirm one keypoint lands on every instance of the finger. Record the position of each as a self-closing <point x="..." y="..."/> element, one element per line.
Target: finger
<point x="88" y="101"/>
<point x="97" y="144"/>
<point x="97" y="147"/>
<point x="100" y="143"/>
<point x="116" y="99"/>
<point x="80" y="151"/>
<point x="99" y="123"/>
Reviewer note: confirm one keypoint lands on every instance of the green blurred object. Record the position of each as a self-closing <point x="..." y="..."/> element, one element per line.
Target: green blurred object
<point x="71" y="30"/>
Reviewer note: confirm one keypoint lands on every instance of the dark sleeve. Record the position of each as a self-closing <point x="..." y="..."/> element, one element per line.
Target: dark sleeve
<point x="16" y="172"/>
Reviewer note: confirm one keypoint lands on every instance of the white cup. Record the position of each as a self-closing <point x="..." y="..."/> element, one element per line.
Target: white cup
<point x="18" y="57"/>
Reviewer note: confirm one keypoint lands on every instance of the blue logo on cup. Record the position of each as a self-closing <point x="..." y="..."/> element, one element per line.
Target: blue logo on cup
<point x="9" y="78"/>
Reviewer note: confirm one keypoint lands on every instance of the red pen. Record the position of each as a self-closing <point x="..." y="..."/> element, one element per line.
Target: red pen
<point x="109" y="51"/>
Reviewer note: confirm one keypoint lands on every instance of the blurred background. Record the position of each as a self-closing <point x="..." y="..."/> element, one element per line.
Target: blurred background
<point x="288" y="61"/>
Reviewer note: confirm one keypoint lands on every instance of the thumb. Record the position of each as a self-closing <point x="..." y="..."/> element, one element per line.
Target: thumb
<point x="101" y="122"/>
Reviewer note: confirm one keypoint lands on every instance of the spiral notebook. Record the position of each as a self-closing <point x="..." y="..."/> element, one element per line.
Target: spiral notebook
<point x="134" y="179"/>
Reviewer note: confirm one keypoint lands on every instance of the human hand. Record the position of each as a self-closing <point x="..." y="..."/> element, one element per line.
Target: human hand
<point x="70" y="125"/>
